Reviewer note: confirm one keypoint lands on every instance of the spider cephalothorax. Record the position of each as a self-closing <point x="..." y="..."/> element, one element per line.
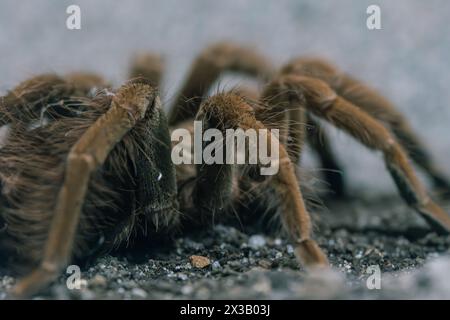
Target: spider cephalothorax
<point x="81" y="166"/>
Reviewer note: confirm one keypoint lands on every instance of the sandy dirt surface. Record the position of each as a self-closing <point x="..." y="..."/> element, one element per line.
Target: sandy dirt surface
<point x="247" y="264"/>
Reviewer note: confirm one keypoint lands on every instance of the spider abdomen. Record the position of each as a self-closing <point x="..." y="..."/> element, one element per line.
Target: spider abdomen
<point x="117" y="204"/>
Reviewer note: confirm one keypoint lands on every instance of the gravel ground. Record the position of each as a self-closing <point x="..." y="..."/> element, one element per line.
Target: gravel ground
<point x="245" y="264"/>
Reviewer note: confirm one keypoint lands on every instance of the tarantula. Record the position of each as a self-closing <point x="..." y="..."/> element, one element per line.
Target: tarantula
<point x="84" y="166"/>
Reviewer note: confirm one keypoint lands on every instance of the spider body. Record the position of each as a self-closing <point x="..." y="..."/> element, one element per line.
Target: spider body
<point x="98" y="169"/>
<point x="131" y="189"/>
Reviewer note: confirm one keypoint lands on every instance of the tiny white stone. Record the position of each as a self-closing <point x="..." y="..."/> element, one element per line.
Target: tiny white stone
<point x="159" y="176"/>
<point x="290" y="249"/>
<point x="256" y="241"/>
<point x="216" y="265"/>
<point x="187" y="290"/>
<point x="138" y="292"/>
<point x="182" y="277"/>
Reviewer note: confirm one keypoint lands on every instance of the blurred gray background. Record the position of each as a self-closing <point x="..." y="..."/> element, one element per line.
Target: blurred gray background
<point x="408" y="60"/>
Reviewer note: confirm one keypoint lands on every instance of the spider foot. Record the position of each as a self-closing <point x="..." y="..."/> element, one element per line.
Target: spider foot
<point x="442" y="188"/>
<point x="310" y="254"/>
<point x="437" y="218"/>
<point x="32" y="283"/>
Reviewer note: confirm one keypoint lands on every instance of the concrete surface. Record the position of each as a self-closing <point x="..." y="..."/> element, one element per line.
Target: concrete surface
<point x="408" y="60"/>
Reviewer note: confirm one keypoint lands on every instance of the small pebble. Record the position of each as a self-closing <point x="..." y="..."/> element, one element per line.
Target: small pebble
<point x="187" y="289"/>
<point x="199" y="261"/>
<point x="290" y="249"/>
<point x="256" y="241"/>
<point x="139" y="293"/>
<point x="266" y="264"/>
<point x="98" y="281"/>
<point x="216" y="265"/>
<point x="182" y="276"/>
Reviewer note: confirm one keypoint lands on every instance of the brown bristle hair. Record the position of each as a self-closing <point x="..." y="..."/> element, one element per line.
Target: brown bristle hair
<point x="32" y="165"/>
